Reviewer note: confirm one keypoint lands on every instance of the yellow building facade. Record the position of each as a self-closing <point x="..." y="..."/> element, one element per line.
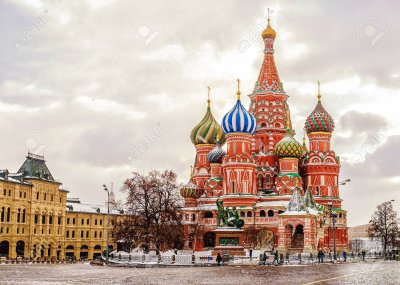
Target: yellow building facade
<point x="38" y="221"/>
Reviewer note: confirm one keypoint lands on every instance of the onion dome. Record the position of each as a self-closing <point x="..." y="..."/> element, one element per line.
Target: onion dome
<point x="288" y="146"/>
<point x="208" y="129"/>
<point x="190" y="190"/>
<point x="238" y="120"/>
<point x="319" y="120"/>
<point x="269" y="32"/>
<point x="216" y="154"/>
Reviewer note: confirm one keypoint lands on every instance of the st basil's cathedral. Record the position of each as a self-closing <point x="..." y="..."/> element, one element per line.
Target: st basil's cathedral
<point x="284" y="190"/>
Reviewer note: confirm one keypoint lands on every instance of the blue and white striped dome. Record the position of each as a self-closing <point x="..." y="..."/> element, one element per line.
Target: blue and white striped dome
<point x="238" y="120"/>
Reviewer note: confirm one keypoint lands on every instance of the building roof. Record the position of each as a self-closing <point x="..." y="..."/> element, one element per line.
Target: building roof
<point x="89" y="208"/>
<point x="35" y="167"/>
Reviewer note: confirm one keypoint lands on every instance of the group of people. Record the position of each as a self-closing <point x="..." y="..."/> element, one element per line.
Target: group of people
<point x="321" y="256"/>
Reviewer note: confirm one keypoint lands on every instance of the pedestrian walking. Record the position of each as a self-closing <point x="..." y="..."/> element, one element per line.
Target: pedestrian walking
<point x="251" y="253"/>
<point x="219" y="259"/>
<point x="276" y="258"/>
<point x="265" y="258"/>
<point x="363" y="255"/>
<point x="344" y="256"/>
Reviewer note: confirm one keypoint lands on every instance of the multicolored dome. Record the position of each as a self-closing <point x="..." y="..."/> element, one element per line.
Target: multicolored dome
<point x="207" y="130"/>
<point x="238" y="120"/>
<point x="190" y="190"/>
<point x="288" y="146"/>
<point x="319" y="120"/>
<point x="216" y="154"/>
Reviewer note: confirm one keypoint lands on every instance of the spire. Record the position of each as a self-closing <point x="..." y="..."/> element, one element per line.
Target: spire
<point x="319" y="92"/>
<point x="309" y="199"/>
<point x="305" y="150"/>
<point x="288" y="120"/>
<point x="191" y="173"/>
<point x="296" y="203"/>
<point x="208" y="100"/>
<point x="268" y="79"/>
<point x="238" y="87"/>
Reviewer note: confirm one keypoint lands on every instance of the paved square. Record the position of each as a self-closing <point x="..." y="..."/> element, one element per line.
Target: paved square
<point x="353" y="273"/>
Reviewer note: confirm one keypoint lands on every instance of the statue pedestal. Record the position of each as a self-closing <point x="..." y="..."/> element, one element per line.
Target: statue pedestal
<point x="229" y="241"/>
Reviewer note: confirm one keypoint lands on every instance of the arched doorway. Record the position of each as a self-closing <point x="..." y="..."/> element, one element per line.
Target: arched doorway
<point x="84" y="252"/>
<point x="69" y="251"/>
<point x="209" y="239"/>
<point x="4" y="248"/>
<point x="298" y="237"/>
<point x="20" y="248"/>
<point x="42" y="248"/>
<point x="97" y="251"/>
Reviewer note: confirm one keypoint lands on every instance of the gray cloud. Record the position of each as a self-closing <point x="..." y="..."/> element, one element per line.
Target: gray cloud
<point x="87" y="87"/>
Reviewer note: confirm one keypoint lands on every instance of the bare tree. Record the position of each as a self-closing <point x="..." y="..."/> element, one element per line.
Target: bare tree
<point x="151" y="210"/>
<point x="383" y="225"/>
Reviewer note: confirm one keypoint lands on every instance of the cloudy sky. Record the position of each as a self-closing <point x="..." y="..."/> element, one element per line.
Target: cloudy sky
<point x="104" y="88"/>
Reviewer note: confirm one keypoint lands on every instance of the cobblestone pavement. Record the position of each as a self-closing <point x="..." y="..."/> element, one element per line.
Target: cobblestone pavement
<point x="352" y="273"/>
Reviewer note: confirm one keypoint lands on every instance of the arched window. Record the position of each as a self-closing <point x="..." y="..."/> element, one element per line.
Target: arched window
<point x="193" y="217"/>
<point x="242" y="214"/>
<point x="208" y="215"/>
<point x="340" y="215"/>
<point x="249" y="214"/>
<point x="2" y="214"/>
<point x="260" y="182"/>
<point x="23" y="216"/>
<point x="270" y="213"/>
<point x="317" y="190"/>
<point x="262" y="213"/>
<point x="8" y="215"/>
<point x="19" y="216"/>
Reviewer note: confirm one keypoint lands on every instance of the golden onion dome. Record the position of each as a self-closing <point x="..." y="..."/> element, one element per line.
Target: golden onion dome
<point x="207" y="131"/>
<point x="269" y="32"/>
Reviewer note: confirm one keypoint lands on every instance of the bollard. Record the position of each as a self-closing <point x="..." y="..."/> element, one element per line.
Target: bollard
<point x="173" y="259"/>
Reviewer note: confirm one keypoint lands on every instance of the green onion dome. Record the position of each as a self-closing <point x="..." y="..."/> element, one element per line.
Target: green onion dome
<point x="207" y="131"/>
<point x="288" y="146"/>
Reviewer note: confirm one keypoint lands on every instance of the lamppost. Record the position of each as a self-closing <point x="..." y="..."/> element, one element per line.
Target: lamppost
<point x="333" y="217"/>
<point x="108" y="219"/>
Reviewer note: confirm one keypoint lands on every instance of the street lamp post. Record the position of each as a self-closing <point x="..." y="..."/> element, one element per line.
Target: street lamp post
<point x="333" y="220"/>
<point x="108" y="220"/>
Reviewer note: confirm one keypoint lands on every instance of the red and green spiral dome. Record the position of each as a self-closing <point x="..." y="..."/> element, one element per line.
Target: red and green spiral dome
<point x="319" y="120"/>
